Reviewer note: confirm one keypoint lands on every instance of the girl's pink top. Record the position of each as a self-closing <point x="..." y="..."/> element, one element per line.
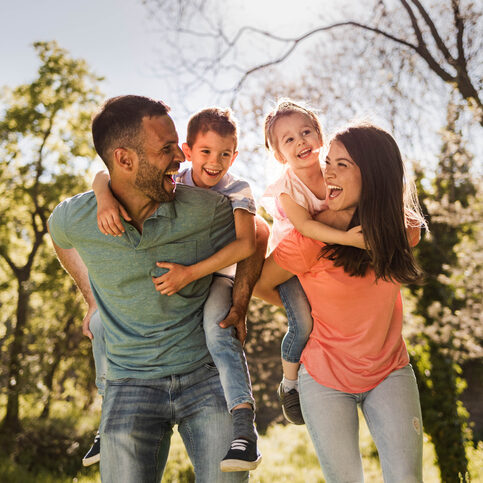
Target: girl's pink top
<point x="290" y="184"/>
<point x="356" y="341"/>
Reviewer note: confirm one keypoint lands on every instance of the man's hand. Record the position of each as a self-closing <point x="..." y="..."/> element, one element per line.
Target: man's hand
<point x="87" y="319"/>
<point x="237" y="319"/>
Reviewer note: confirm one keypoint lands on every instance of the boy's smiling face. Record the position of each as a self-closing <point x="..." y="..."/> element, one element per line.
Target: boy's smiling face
<point x="211" y="155"/>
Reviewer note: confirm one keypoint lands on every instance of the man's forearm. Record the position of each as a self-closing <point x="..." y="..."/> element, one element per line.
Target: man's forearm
<point x="75" y="267"/>
<point x="248" y="270"/>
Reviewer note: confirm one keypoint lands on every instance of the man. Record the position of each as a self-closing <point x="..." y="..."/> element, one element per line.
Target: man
<point x="159" y="370"/>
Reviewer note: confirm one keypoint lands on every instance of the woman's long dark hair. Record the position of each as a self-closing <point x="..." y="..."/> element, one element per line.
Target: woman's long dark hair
<point x="384" y="209"/>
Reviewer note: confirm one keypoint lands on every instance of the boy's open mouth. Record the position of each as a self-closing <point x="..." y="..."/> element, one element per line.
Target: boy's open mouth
<point x="211" y="172"/>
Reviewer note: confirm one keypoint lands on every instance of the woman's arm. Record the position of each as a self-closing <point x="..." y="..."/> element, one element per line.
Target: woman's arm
<point x="241" y="248"/>
<point x="307" y="226"/>
<point x="272" y="275"/>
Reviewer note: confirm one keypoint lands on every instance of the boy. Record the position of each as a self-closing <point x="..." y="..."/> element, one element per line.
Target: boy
<point x="211" y="148"/>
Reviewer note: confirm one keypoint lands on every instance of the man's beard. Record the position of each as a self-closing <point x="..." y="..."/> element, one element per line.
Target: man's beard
<point x="150" y="180"/>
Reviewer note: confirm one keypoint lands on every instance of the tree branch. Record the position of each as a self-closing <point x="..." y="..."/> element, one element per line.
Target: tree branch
<point x="434" y="32"/>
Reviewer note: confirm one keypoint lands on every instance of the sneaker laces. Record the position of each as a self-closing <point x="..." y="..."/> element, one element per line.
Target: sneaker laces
<point x="239" y="444"/>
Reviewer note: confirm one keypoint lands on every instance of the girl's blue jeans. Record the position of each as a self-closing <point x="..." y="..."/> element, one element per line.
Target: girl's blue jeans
<point x="299" y="319"/>
<point x="393" y="414"/>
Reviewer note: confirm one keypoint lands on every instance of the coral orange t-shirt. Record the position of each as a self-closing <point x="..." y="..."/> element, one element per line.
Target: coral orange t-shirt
<point x="356" y="340"/>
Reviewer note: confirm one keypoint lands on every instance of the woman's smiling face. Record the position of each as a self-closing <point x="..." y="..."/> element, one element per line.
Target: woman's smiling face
<point x="343" y="179"/>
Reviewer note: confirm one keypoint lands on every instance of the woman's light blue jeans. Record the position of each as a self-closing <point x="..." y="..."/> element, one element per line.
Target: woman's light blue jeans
<point x="137" y="420"/>
<point x="225" y="349"/>
<point x="299" y="319"/>
<point x="393" y="415"/>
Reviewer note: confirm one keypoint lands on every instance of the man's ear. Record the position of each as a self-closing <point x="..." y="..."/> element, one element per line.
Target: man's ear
<point x="124" y="159"/>
<point x="187" y="151"/>
<point x="235" y="154"/>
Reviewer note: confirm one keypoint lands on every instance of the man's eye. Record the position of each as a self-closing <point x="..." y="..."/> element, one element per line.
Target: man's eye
<point x="205" y="151"/>
<point x="167" y="149"/>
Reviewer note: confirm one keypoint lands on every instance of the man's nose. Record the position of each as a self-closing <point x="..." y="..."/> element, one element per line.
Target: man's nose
<point x="179" y="155"/>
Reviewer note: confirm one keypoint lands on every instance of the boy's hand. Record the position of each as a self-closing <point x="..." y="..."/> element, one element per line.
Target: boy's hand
<point x="108" y="219"/>
<point x="238" y="320"/>
<point x="355" y="238"/>
<point x="178" y="277"/>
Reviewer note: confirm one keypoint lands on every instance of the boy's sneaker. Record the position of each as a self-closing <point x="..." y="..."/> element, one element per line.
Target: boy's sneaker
<point x="290" y="402"/>
<point x="243" y="455"/>
<point x="94" y="453"/>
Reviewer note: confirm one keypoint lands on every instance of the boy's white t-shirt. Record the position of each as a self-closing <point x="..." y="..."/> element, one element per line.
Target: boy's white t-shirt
<point x="236" y="189"/>
<point x="290" y="184"/>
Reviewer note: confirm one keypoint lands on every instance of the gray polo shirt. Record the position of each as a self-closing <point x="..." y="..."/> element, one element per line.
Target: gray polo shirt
<point x="148" y="334"/>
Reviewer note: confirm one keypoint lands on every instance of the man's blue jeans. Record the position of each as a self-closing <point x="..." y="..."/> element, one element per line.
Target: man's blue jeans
<point x="393" y="415"/>
<point x="225" y="349"/>
<point x="299" y="319"/>
<point x="137" y="420"/>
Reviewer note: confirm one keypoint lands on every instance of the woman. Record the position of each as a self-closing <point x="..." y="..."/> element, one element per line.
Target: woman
<point x="356" y="354"/>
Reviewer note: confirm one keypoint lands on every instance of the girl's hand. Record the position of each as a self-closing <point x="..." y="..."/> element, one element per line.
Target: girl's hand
<point x="178" y="277"/>
<point x="109" y="212"/>
<point x="355" y="238"/>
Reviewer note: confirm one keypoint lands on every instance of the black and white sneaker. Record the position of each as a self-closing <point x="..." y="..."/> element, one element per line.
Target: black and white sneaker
<point x="243" y="455"/>
<point x="94" y="453"/>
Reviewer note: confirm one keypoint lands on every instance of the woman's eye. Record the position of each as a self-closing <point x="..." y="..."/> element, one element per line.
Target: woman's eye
<point x="306" y="132"/>
<point x="289" y="140"/>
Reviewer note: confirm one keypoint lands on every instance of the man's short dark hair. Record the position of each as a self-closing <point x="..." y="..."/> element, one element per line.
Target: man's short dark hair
<point x="118" y="122"/>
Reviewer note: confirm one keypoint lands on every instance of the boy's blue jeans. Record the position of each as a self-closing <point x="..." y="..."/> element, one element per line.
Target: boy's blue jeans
<point x="393" y="415"/>
<point x="225" y="349"/>
<point x="99" y="351"/>
<point x="299" y="319"/>
<point x="137" y="420"/>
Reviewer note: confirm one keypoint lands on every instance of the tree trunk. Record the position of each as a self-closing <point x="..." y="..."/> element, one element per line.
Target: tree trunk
<point x="11" y="421"/>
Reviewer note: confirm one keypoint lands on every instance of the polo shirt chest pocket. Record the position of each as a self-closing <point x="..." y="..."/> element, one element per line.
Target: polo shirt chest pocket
<point x="182" y="253"/>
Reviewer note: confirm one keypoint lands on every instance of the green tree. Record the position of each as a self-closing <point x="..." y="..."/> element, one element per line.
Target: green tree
<point x="44" y="149"/>
<point x="440" y="304"/>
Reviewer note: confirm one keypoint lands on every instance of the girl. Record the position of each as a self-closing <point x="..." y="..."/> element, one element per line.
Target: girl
<point x="356" y="354"/>
<point x="294" y="135"/>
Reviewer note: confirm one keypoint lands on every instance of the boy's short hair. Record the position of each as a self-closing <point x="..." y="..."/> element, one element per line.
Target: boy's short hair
<point x="118" y="123"/>
<point x="221" y="121"/>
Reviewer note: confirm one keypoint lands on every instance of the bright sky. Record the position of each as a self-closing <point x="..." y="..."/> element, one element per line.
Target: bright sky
<point x="110" y="35"/>
<point x="115" y="39"/>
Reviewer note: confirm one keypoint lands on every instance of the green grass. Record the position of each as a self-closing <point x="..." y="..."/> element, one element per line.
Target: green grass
<point x="288" y="457"/>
